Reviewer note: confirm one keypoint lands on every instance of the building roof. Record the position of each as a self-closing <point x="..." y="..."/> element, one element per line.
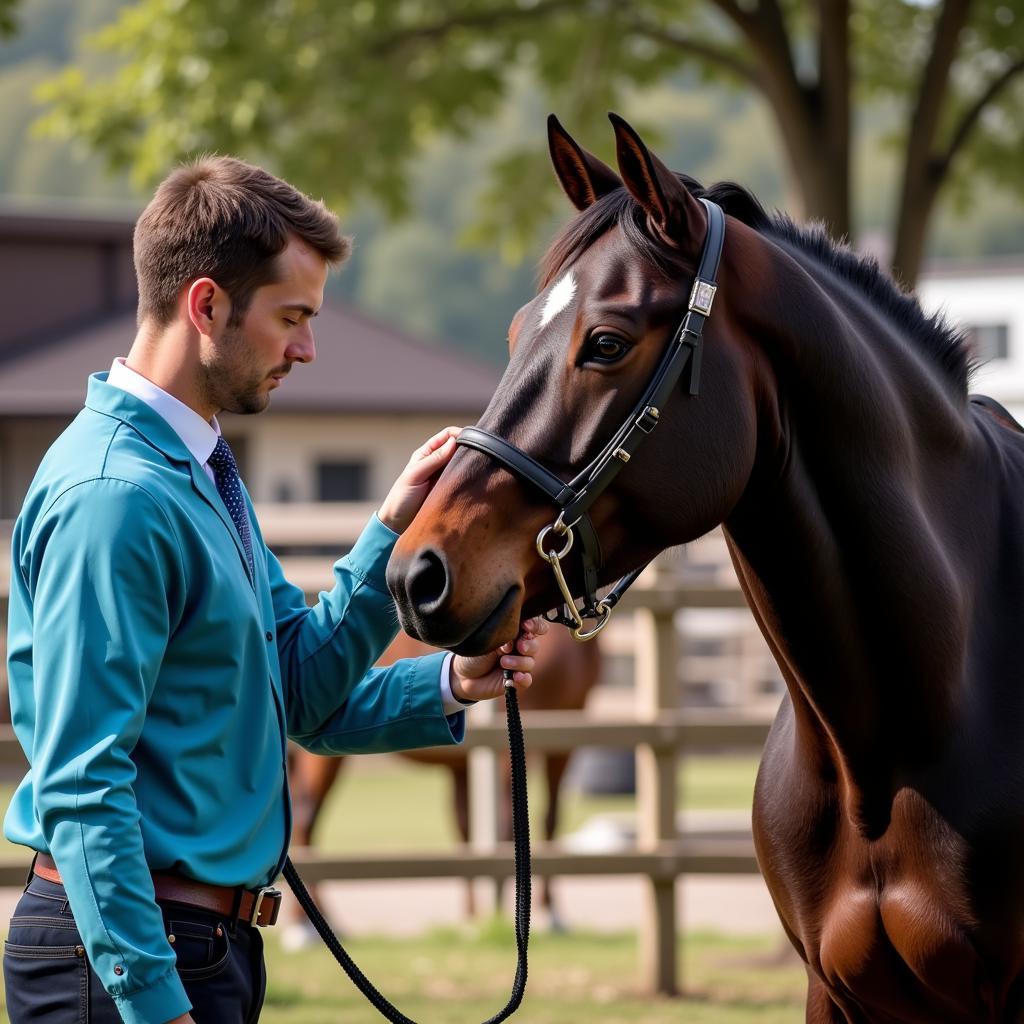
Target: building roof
<point x="77" y="327"/>
<point x="361" y="366"/>
<point x="66" y="220"/>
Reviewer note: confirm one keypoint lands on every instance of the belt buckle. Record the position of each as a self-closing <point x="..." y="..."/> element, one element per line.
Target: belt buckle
<point x="265" y="892"/>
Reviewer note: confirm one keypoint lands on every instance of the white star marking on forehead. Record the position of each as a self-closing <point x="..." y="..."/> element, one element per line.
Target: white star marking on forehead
<point x="558" y="298"/>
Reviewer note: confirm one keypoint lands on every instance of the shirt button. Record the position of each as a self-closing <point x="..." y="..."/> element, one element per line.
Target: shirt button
<point x="119" y="969"/>
<point x="270" y="636"/>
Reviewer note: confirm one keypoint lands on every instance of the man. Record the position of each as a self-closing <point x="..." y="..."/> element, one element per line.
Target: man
<point x="157" y="655"/>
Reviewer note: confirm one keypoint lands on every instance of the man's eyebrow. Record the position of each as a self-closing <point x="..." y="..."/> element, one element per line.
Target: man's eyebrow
<point x="302" y="308"/>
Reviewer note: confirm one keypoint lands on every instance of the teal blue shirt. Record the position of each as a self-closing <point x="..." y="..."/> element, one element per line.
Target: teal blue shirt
<point x="153" y="685"/>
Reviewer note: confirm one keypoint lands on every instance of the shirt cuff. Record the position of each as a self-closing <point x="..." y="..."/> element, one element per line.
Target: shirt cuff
<point x="380" y="522"/>
<point x="164" y="1000"/>
<point x="449" y="702"/>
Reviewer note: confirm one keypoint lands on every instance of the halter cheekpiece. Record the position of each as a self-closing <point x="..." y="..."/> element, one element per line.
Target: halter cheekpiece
<point x="575" y="498"/>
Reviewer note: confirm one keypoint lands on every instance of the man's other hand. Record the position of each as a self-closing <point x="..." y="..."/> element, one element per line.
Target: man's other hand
<point x="482" y="678"/>
<point x="185" y="1018"/>
<point x="419" y="476"/>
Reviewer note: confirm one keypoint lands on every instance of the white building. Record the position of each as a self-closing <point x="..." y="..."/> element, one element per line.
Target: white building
<point x="987" y="300"/>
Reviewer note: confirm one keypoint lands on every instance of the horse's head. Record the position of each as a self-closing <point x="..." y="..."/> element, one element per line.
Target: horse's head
<point x="615" y="287"/>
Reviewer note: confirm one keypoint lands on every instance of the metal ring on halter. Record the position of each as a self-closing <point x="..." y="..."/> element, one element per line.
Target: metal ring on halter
<point x="583" y="635"/>
<point x="578" y="632"/>
<point x="560" y="525"/>
<point x="554" y="558"/>
<point x="551" y="556"/>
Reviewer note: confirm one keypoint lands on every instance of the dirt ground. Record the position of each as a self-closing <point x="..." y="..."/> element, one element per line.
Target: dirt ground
<point x="727" y="904"/>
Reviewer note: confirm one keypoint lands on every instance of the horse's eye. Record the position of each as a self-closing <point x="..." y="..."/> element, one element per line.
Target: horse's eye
<point x="607" y="348"/>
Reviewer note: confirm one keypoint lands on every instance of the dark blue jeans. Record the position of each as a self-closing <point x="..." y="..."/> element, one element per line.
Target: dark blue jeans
<point x="49" y="981"/>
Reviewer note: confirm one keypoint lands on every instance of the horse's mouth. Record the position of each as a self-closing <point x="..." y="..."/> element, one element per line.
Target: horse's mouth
<point x="489" y="634"/>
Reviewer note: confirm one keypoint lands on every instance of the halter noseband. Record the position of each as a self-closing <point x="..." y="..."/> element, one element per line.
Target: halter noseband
<point x="575" y="498"/>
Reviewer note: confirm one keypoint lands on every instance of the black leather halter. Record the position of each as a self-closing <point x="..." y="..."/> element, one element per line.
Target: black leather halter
<point x="575" y="498"/>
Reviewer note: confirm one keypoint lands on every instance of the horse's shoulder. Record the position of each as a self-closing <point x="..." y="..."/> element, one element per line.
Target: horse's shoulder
<point x="990" y="407"/>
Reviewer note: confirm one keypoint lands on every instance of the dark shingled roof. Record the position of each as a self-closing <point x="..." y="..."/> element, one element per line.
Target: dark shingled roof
<point x="361" y="366"/>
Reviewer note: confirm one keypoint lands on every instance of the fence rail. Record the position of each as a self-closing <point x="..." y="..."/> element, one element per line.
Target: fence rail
<point x="672" y="732"/>
<point x="733" y="855"/>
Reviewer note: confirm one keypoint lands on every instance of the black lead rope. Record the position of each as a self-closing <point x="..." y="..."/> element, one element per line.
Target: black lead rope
<point x="521" y="837"/>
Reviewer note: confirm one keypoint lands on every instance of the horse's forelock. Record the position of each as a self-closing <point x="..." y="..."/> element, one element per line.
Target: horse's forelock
<point x="619" y="209"/>
<point x="616" y="209"/>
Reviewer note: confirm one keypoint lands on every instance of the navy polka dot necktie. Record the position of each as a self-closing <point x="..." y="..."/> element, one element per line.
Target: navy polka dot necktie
<point x="225" y="473"/>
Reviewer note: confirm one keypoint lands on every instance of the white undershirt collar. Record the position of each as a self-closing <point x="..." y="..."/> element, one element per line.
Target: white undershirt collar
<point x="198" y="436"/>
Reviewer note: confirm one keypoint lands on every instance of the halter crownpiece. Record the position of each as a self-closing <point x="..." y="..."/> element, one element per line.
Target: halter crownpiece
<point x="575" y="498"/>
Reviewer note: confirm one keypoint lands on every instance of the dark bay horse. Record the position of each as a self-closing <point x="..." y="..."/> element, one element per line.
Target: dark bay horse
<point x="874" y="515"/>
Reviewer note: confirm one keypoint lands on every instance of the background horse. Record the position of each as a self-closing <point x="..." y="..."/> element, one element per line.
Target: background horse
<point x="873" y="514"/>
<point x="565" y="674"/>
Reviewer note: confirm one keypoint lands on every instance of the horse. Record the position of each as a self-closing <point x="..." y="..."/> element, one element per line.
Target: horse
<point x="872" y="510"/>
<point x="564" y="675"/>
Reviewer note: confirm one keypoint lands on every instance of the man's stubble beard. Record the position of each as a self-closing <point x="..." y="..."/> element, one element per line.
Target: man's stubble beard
<point x="229" y="382"/>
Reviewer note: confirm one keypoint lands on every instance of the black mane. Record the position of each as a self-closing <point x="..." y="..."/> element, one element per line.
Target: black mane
<point x="946" y="345"/>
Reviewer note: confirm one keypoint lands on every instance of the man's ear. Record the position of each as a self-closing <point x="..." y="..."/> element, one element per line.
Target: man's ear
<point x="671" y="210"/>
<point x="207" y="305"/>
<point x="583" y="177"/>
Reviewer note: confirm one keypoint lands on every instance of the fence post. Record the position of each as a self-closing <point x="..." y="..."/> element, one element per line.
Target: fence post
<point x="484" y="780"/>
<point x="656" y="659"/>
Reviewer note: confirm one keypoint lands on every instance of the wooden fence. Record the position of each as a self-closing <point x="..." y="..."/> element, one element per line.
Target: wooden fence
<point x="657" y="730"/>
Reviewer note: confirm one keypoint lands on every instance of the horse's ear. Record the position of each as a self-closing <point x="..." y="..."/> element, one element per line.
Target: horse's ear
<point x="670" y="207"/>
<point x="583" y="177"/>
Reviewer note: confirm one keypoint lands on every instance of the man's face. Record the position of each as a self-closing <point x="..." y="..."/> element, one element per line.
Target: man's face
<point x="248" y="361"/>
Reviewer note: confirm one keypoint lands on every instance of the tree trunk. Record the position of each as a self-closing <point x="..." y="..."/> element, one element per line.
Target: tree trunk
<point x="921" y="173"/>
<point x="822" y="180"/>
<point x="813" y="120"/>
<point x="833" y="110"/>
<point x="912" y="227"/>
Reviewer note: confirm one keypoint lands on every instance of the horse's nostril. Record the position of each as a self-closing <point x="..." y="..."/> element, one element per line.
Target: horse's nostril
<point x="427" y="582"/>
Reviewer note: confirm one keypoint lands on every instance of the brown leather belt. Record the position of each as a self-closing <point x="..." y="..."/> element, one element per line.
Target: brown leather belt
<point x="258" y="907"/>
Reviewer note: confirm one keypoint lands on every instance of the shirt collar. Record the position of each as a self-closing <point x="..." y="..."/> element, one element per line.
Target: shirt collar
<point x="198" y="436"/>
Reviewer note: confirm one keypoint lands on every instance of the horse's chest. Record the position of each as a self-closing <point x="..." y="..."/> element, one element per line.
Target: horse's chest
<point x="901" y="953"/>
<point x="890" y="927"/>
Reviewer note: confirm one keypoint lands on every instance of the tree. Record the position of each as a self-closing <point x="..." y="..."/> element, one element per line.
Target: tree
<point x="8" y="22"/>
<point x="341" y="97"/>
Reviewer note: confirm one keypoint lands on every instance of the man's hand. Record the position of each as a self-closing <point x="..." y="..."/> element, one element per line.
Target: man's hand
<point x="412" y="487"/>
<point x="481" y="678"/>
<point x="185" y="1018"/>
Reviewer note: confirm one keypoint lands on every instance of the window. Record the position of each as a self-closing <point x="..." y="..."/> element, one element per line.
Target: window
<point x="989" y="341"/>
<point x="342" y="481"/>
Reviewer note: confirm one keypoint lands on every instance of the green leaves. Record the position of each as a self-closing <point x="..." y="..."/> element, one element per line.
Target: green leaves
<point x="344" y="98"/>
<point x="341" y="98"/>
<point x="8" y="17"/>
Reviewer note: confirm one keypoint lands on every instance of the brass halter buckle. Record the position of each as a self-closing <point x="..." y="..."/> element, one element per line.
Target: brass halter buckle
<point x="554" y="559"/>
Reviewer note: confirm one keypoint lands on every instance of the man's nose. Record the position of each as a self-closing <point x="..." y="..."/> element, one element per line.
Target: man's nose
<point x="302" y="350"/>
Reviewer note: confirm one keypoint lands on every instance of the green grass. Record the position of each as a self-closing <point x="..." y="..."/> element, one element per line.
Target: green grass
<point x="455" y="977"/>
<point x="724" y="782"/>
<point x="450" y="977"/>
<point x="389" y="804"/>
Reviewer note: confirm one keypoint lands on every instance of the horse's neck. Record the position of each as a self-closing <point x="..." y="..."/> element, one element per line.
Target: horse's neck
<point x="845" y="544"/>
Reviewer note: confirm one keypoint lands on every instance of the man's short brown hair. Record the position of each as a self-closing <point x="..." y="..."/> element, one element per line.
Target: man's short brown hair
<point x="228" y="220"/>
